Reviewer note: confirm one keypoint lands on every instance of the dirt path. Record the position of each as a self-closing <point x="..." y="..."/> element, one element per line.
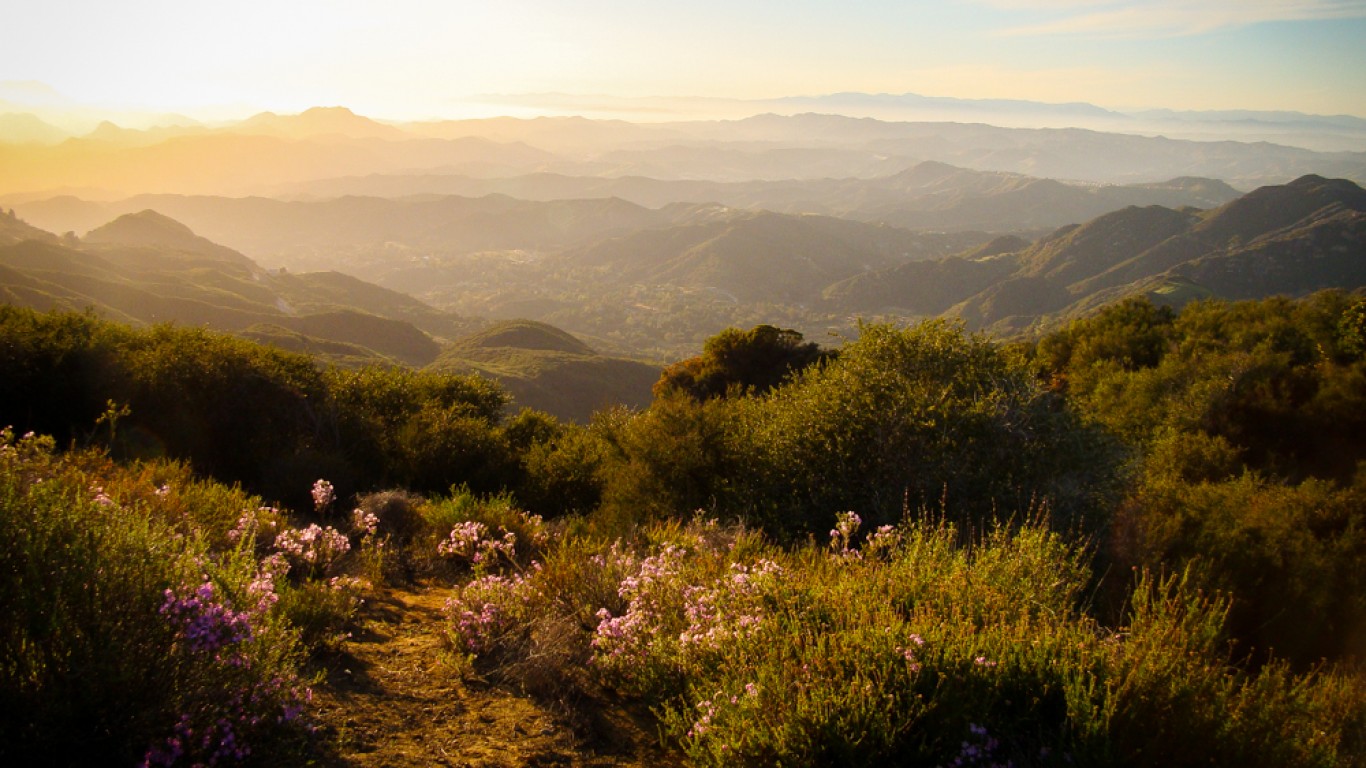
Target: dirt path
<point x="392" y="698"/>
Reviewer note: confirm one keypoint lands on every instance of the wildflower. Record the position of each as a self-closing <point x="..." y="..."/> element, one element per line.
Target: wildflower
<point x="364" y="523"/>
<point x="100" y="496"/>
<point x="254" y="523"/>
<point x="314" y="546"/>
<point x="323" y="495"/>
<point x="842" y="535"/>
<point x="486" y="608"/>
<point x="206" y="623"/>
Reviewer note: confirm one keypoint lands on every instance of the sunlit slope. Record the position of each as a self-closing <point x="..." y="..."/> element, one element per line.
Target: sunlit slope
<point x="146" y="268"/>
<point x="549" y="370"/>
<point x="1290" y="239"/>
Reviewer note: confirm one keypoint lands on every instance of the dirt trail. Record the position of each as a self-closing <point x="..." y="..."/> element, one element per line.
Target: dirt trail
<point x="392" y="698"/>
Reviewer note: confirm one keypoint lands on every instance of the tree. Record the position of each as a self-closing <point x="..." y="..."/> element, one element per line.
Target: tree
<point x="910" y="417"/>
<point x="747" y="362"/>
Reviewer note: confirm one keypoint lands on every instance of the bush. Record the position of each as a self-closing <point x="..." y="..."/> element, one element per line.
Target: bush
<point x="913" y="418"/>
<point x="126" y="637"/>
<point x="905" y="646"/>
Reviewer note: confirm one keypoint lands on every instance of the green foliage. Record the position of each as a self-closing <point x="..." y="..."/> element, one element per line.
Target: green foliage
<point x="1246" y="423"/>
<point x="678" y="457"/>
<point x="1289" y="556"/>
<point x="1274" y="378"/>
<point x="1128" y="335"/>
<point x="241" y="412"/>
<point x="516" y="537"/>
<point x="561" y="465"/>
<point x="747" y="362"/>
<point x="906" y="418"/>
<point x="49" y="362"/>
<point x="1352" y="328"/>
<point x="230" y="406"/>
<point x="422" y="431"/>
<point x="97" y="661"/>
<point x="913" y="648"/>
<point x="902" y="419"/>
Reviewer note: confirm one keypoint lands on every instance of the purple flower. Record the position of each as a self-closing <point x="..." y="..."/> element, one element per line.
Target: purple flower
<point x="323" y="495"/>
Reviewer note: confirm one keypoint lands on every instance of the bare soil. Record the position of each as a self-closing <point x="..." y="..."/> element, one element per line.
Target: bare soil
<point x="393" y="697"/>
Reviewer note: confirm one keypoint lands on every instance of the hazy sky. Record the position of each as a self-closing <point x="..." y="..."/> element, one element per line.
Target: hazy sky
<point x="426" y="58"/>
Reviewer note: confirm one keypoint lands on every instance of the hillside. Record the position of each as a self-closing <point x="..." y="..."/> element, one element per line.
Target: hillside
<point x="1288" y="239"/>
<point x="763" y="256"/>
<point x="544" y="368"/>
<point x="146" y="268"/>
<point x="15" y="230"/>
<point x="150" y="229"/>
<point x="1292" y="239"/>
<point x="317" y="235"/>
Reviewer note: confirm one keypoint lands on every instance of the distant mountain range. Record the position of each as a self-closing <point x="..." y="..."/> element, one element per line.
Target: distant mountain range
<point x="1318" y="132"/>
<point x="270" y="154"/>
<point x="1328" y="133"/>
<point x="928" y="195"/>
<point x="550" y="213"/>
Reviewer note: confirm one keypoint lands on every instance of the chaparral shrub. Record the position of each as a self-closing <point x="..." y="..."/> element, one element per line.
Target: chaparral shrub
<point x="128" y="638"/>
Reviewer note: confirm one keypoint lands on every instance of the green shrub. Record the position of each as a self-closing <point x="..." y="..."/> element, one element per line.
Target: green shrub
<point x="905" y="646"/>
<point x="124" y="630"/>
<point x="465" y="531"/>
<point x="910" y="418"/>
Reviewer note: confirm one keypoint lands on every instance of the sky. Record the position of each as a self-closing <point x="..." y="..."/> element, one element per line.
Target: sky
<point x="427" y="59"/>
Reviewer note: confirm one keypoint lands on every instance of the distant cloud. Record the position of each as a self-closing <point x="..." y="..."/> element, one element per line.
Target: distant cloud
<point x="1168" y="18"/>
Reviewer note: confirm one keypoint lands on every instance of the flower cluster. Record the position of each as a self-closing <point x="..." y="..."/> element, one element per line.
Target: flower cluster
<point x="470" y="541"/>
<point x="206" y="624"/>
<point x="719" y="706"/>
<point x="535" y="526"/>
<point x="364" y="523"/>
<point x="313" y="547"/>
<point x="487" y="608"/>
<point x="679" y="612"/>
<point x="256" y="525"/>
<point x="219" y="732"/>
<point x="907" y="652"/>
<point x="261" y="589"/>
<point x="623" y="643"/>
<point x="729" y="609"/>
<point x="884" y="540"/>
<point x="980" y="749"/>
<point x="100" y="496"/>
<point x="842" y="535"/>
<point x="323" y="495"/>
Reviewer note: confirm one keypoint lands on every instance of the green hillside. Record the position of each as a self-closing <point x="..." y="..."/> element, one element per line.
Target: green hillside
<point x="145" y="268"/>
<point x="544" y="368"/>
<point x="1291" y="239"/>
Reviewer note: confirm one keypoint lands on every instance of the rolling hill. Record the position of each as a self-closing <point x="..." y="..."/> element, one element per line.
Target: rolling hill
<point x="146" y="268"/>
<point x="1290" y="239"/>
<point x="760" y="256"/>
<point x="304" y="234"/>
<point x="549" y="370"/>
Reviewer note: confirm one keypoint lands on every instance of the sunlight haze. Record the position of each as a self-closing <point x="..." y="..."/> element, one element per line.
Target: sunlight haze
<point x="423" y="59"/>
